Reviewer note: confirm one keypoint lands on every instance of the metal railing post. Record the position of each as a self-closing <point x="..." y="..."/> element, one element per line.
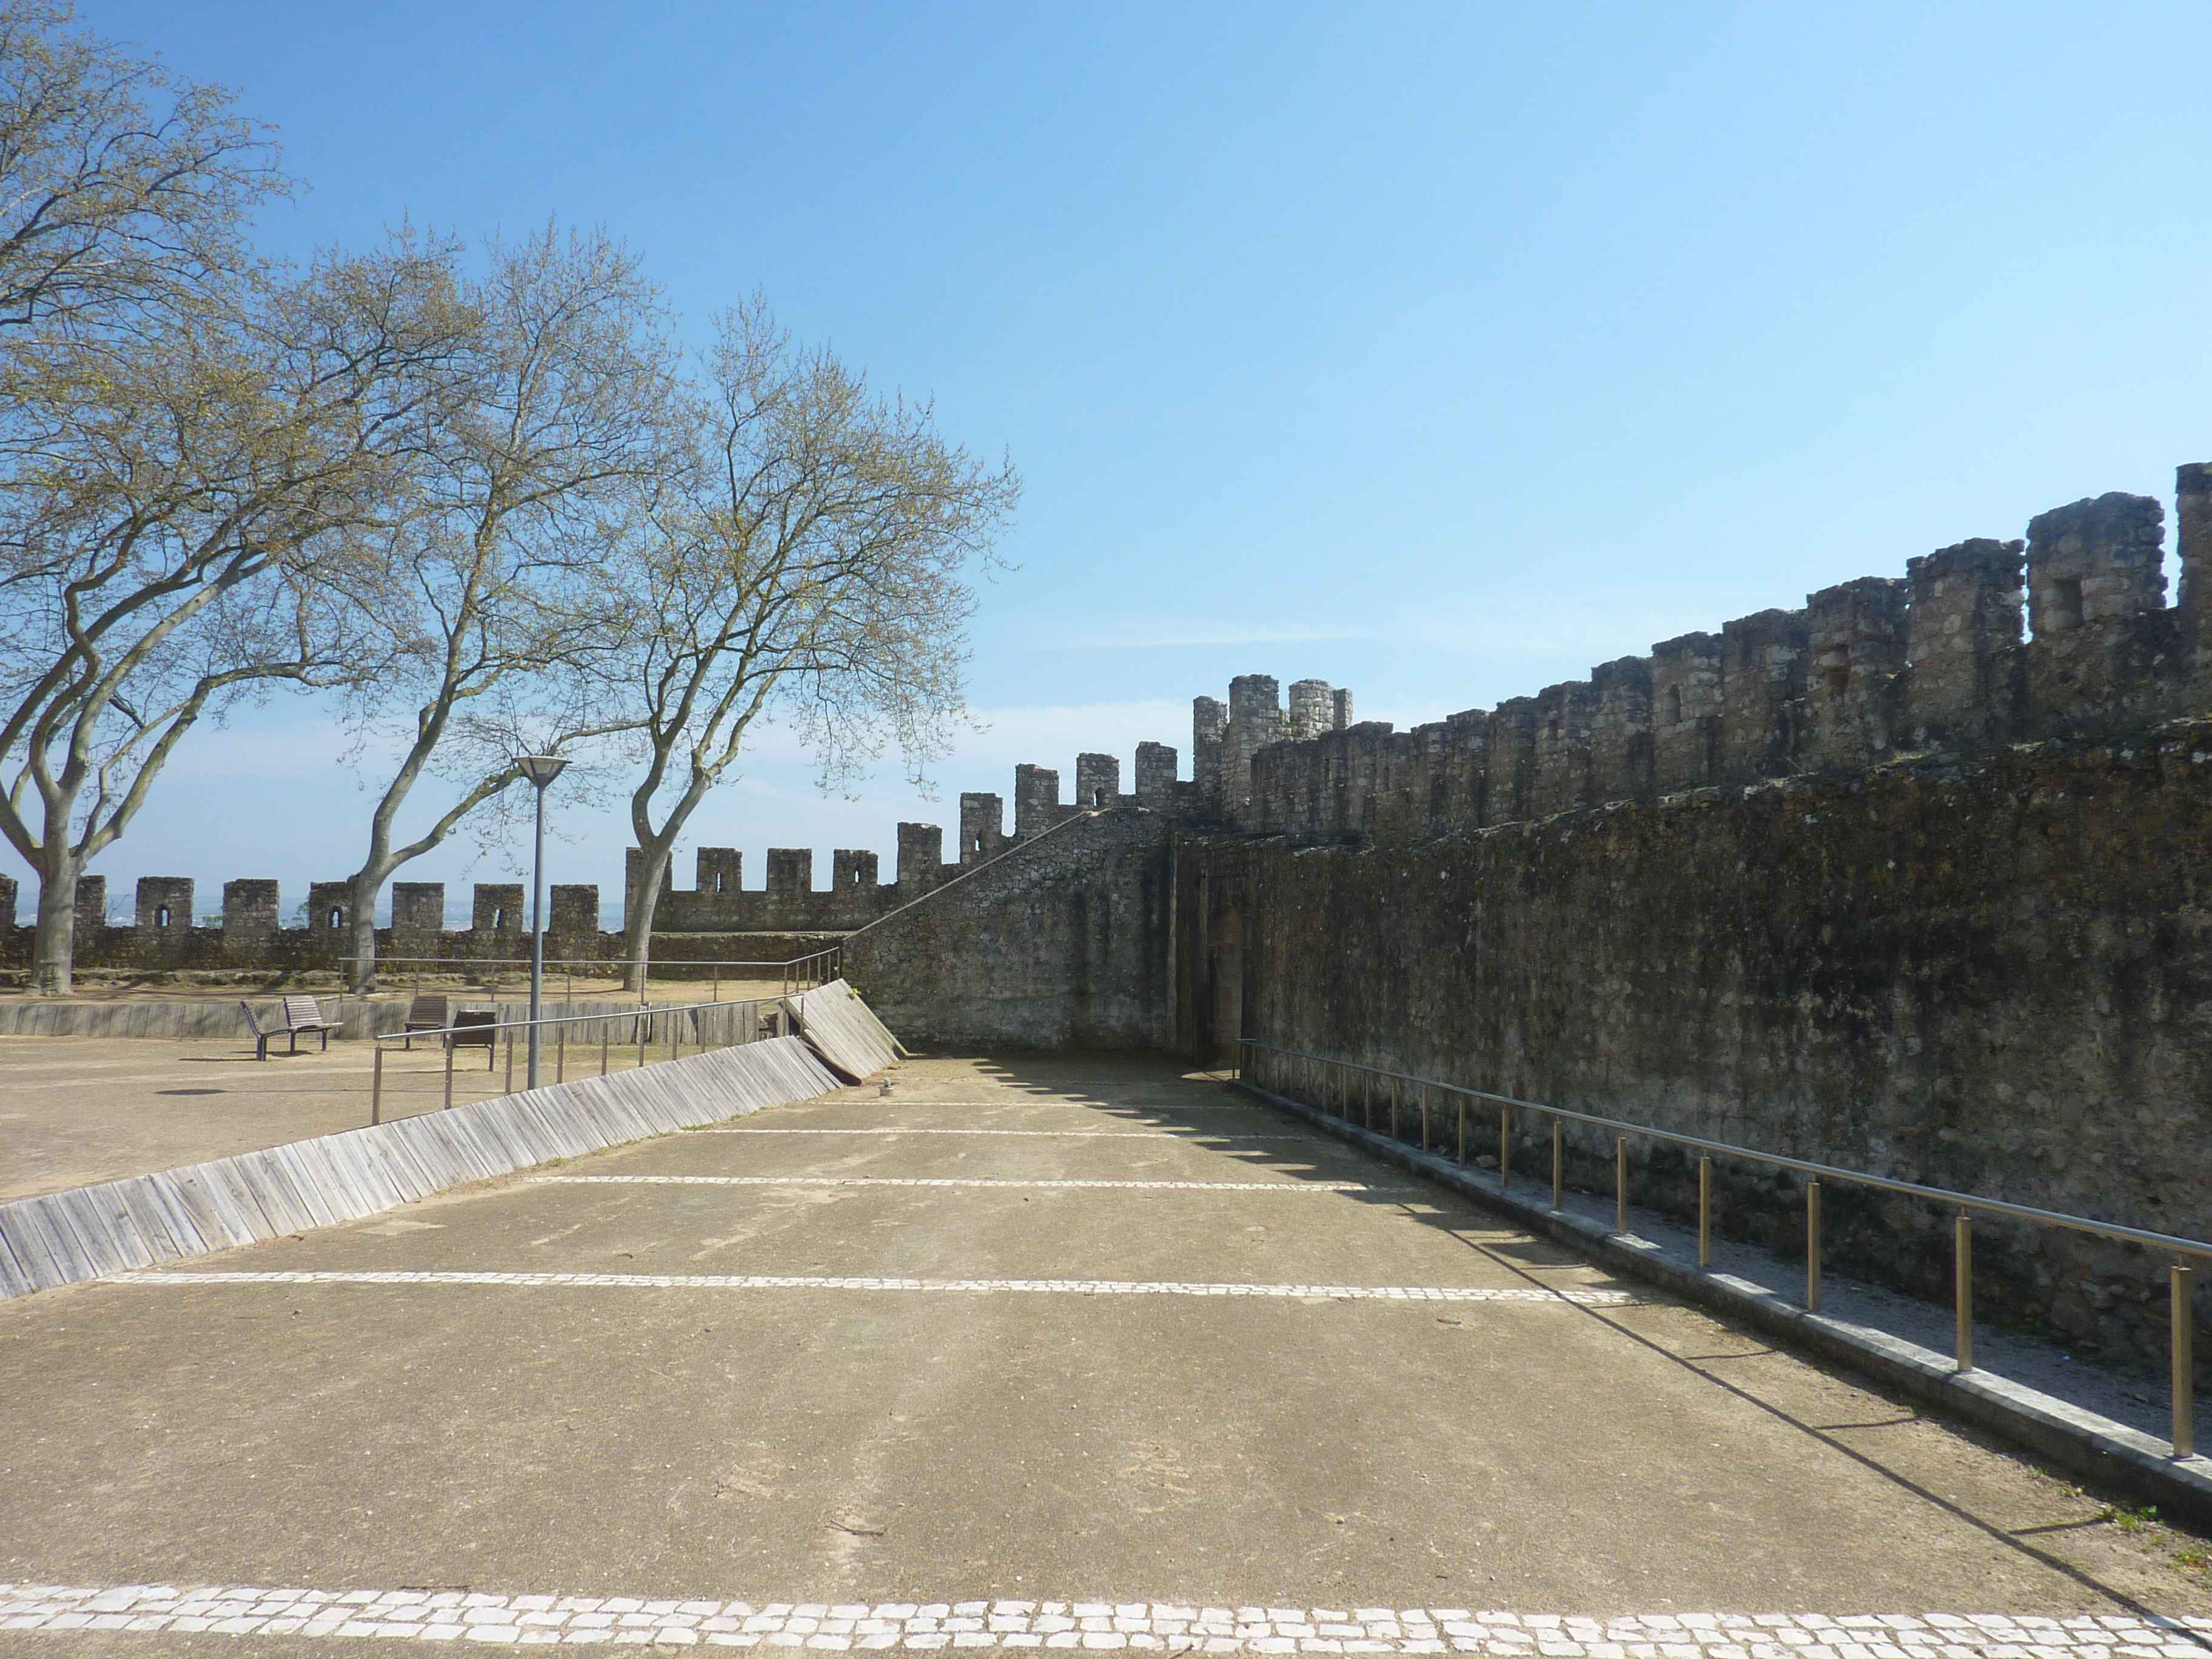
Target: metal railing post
<point x="376" y="1086"/>
<point x="2183" y="1313"/>
<point x="675" y="1033"/>
<point x="1330" y="1082"/>
<point x="1705" y="1213"/>
<point x="606" y="1041"/>
<point x="449" y="1072"/>
<point x="1812" y="1247"/>
<point x="644" y="1032"/>
<point x="1962" y="1275"/>
<point x="561" y="1053"/>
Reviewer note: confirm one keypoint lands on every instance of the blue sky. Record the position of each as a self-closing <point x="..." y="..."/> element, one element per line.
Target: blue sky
<point x="1440" y="351"/>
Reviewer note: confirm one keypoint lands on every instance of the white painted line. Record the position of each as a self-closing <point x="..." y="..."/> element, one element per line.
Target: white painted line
<point x="590" y="1620"/>
<point x="871" y="1282"/>
<point x="1293" y="1186"/>
<point x="1056" y="1134"/>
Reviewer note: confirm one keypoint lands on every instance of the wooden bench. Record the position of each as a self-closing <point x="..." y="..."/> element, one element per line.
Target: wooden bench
<point x="302" y="1015"/>
<point x="431" y="1011"/>
<point x="479" y="1027"/>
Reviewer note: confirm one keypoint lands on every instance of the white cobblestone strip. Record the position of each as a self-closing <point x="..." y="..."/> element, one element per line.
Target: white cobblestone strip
<point x="593" y="1620"/>
<point x="1288" y="1186"/>
<point x="1056" y="1134"/>
<point x="1584" y="1299"/>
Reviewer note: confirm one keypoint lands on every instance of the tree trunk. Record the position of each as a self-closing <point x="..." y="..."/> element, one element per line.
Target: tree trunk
<point x="637" y="919"/>
<point x="361" y="934"/>
<point x="54" y="951"/>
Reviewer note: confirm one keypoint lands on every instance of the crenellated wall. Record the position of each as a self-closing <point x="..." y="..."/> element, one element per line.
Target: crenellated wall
<point x="252" y="932"/>
<point x="2066" y="633"/>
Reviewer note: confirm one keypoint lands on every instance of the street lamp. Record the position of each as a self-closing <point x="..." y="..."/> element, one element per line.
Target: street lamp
<point x="541" y="770"/>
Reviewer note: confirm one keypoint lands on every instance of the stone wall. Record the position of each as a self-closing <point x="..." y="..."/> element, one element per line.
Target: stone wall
<point x="1054" y="942"/>
<point x="401" y="953"/>
<point x="253" y="933"/>
<point x="1869" y="671"/>
<point x="1993" y="975"/>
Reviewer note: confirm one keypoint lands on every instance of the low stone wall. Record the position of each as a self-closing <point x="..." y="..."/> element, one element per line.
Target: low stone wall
<point x="1992" y="975"/>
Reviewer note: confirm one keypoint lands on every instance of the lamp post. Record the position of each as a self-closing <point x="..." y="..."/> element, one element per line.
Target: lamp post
<point x="541" y="770"/>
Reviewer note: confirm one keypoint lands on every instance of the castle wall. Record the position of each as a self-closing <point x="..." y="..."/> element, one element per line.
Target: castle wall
<point x="719" y="907"/>
<point x="1053" y="944"/>
<point x="1979" y="644"/>
<point x="1990" y="975"/>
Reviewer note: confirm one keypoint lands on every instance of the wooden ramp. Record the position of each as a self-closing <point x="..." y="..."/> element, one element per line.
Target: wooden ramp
<point x="88" y="1232"/>
<point x="843" y="1030"/>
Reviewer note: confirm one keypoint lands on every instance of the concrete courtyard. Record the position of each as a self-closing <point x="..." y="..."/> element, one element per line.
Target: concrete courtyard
<point x="1077" y="1350"/>
<point x="75" y="1110"/>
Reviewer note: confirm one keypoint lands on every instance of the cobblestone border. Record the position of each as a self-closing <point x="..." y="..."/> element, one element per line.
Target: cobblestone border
<point x="584" y="1620"/>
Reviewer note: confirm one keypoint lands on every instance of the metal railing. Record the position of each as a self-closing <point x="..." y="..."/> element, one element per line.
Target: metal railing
<point x="1324" y="1076"/>
<point x="642" y="1022"/>
<point x="797" y="973"/>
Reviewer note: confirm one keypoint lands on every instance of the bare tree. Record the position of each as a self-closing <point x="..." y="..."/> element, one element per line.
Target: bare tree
<point x="812" y="566"/>
<point x="182" y="524"/>
<point x="123" y="187"/>
<point x="562" y="400"/>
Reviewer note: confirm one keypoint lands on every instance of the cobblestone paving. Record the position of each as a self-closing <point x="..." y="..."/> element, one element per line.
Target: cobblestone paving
<point x="584" y="1620"/>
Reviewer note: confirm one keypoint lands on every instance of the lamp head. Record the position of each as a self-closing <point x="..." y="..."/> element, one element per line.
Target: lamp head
<point x="541" y="770"/>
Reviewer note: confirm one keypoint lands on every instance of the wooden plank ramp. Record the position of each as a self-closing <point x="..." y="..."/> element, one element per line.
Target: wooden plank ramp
<point x="840" y="1027"/>
<point x="90" y="1232"/>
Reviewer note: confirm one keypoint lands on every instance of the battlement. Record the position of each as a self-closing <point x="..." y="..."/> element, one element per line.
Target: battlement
<point x="252" y="931"/>
<point x="1867" y="670"/>
<point x="2066" y="632"/>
